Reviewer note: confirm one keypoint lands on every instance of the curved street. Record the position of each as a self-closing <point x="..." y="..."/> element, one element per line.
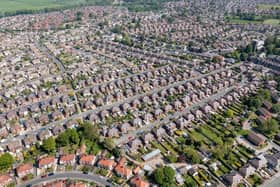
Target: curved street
<point x="69" y="175"/>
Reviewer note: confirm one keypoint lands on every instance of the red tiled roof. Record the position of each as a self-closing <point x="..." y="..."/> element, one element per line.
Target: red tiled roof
<point x="66" y="158"/>
<point x="84" y="159"/>
<point x="106" y="163"/>
<point x="46" y="161"/>
<point x="23" y="168"/>
<point x="4" y="179"/>
<point x="138" y="182"/>
<point x="122" y="170"/>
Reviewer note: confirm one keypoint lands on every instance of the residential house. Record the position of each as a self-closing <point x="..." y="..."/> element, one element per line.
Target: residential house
<point x="139" y="182"/>
<point x="46" y="162"/>
<point x="87" y="160"/>
<point x="255" y="138"/>
<point x="67" y="159"/>
<point x="106" y="163"/>
<point x="233" y="178"/>
<point x="247" y="170"/>
<point x="24" y="170"/>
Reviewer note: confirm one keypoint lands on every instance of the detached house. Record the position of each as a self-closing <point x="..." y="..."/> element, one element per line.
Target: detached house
<point x="24" y="170"/>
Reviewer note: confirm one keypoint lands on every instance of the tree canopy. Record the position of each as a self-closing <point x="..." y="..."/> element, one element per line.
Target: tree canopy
<point x="164" y="176"/>
<point x="6" y="161"/>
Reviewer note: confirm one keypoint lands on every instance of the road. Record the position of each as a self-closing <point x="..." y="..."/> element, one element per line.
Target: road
<point x="71" y="175"/>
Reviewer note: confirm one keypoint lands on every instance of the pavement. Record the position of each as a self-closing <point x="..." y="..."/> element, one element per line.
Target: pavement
<point x="69" y="175"/>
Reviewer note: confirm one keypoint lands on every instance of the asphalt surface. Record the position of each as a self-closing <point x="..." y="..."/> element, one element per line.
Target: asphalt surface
<point x="68" y="175"/>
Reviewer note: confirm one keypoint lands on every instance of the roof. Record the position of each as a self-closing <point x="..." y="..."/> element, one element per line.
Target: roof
<point x="255" y="138"/>
<point x="46" y="160"/>
<point x="138" y="182"/>
<point x="24" y="168"/>
<point x="5" y="178"/>
<point x="151" y="155"/>
<point x="65" y="158"/>
<point x="86" y="158"/>
<point x="106" y="163"/>
<point x="122" y="170"/>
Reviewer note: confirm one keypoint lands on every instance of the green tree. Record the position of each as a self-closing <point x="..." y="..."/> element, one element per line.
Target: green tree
<point x="189" y="182"/>
<point x="6" y="161"/>
<point x="62" y="140"/>
<point x="275" y="108"/>
<point x="49" y="145"/>
<point x="192" y="155"/>
<point x="164" y="176"/>
<point x="89" y="131"/>
<point x="229" y="113"/>
<point x="109" y="144"/>
<point x="269" y="127"/>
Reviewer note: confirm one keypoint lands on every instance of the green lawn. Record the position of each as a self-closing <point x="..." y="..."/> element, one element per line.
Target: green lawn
<point x="267" y="21"/>
<point x="16" y="5"/>
<point x="272" y="21"/>
<point x="267" y="6"/>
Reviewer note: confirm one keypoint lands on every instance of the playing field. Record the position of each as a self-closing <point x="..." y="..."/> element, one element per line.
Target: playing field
<point x="15" y="5"/>
<point x="268" y="6"/>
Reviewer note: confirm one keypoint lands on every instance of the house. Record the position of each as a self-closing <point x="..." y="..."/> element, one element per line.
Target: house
<point x="255" y="138"/>
<point x="30" y="139"/>
<point x="264" y="113"/>
<point x="46" y="162"/>
<point x="24" y="170"/>
<point x="59" y="183"/>
<point x="139" y="182"/>
<point x="78" y="184"/>
<point x="123" y="171"/>
<point x="233" y="178"/>
<point x="5" y="180"/>
<point x="258" y="162"/>
<point x="247" y="170"/>
<point x="87" y="159"/>
<point x="106" y="163"/>
<point x="67" y="159"/>
<point x="159" y="132"/>
<point x="135" y="144"/>
<point x="147" y="138"/>
<point x="15" y="146"/>
<point x="273" y="160"/>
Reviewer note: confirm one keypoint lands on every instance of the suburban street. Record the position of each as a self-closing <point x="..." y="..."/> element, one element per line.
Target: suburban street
<point x="71" y="175"/>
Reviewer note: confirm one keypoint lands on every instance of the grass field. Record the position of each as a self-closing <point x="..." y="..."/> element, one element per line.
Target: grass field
<point x="272" y="21"/>
<point x="17" y="5"/>
<point x="267" y="6"/>
<point x="267" y="21"/>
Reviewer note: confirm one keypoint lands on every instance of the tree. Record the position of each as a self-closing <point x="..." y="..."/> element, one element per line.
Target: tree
<point x="189" y="182"/>
<point x="164" y="176"/>
<point x="116" y="152"/>
<point x="270" y="126"/>
<point x="109" y="144"/>
<point x="229" y="113"/>
<point x="192" y="155"/>
<point x="6" y="161"/>
<point x="89" y="131"/>
<point x="49" y="145"/>
<point x="69" y="136"/>
<point x="275" y="108"/>
<point x="62" y="140"/>
<point x="171" y="158"/>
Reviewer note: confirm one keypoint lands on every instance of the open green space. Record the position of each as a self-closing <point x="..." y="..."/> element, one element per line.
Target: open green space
<point x="268" y="6"/>
<point x="12" y="7"/>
